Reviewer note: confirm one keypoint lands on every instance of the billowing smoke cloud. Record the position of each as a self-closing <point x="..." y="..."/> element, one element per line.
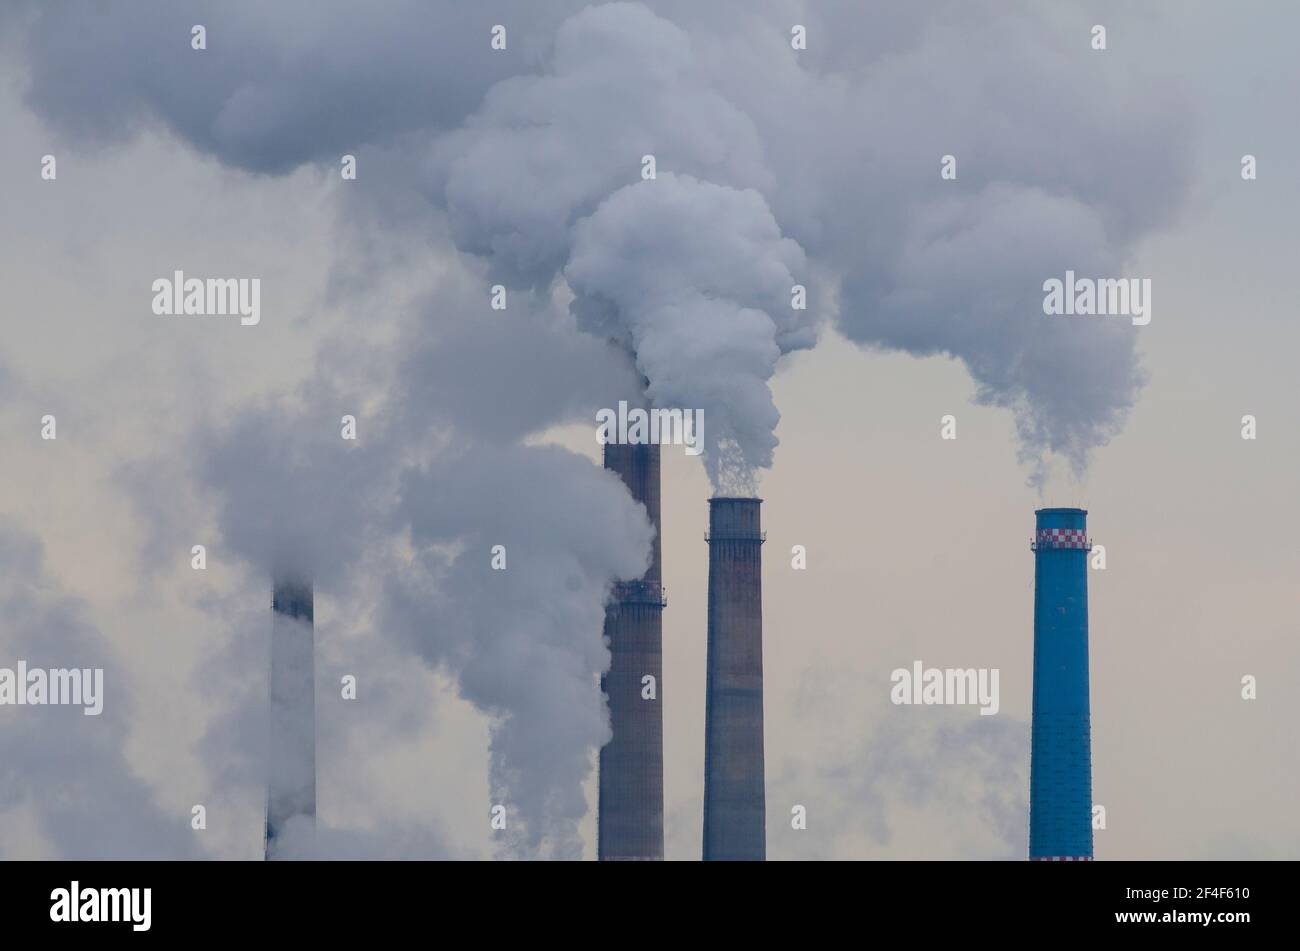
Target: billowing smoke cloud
<point x="424" y="512"/>
<point x="67" y="789"/>
<point x="922" y="264"/>
<point x="296" y="498"/>
<point x="1066" y="157"/>
<point x="1070" y="383"/>
<point x="775" y="167"/>
<point x="523" y="639"/>
<point x="303" y="483"/>
<point x="546" y="148"/>
<point x="277" y="85"/>
<point x="516" y="550"/>
<point x="694" y="278"/>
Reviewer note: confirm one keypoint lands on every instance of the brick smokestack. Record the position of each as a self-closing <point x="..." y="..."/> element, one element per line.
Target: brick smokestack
<point x="734" y="799"/>
<point x="1060" y="779"/>
<point x="292" y="777"/>
<point x="630" y="820"/>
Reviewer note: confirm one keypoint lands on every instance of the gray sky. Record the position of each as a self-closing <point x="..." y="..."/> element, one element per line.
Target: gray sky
<point x="375" y="303"/>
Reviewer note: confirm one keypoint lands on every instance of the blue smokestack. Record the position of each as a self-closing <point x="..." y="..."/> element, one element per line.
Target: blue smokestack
<point x="1060" y="778"/>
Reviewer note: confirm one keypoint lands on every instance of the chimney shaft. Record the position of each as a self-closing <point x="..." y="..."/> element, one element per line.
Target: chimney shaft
<point x="1060" y="783"/>
<point x="734" y="798"/>
<point x="630" y="819"/>
<point x="292" y="774"/>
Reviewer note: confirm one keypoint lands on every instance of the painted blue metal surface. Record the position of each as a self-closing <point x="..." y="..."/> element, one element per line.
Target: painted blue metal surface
<point x="1060" y="784"/>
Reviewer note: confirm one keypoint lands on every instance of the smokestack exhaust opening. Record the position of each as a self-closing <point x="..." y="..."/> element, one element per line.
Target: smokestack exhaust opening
<point x="735" y="811"/>
<point x="1060" y="778"/>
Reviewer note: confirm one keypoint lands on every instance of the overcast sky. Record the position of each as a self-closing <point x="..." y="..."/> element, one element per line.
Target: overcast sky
<point x="476" y="426"/>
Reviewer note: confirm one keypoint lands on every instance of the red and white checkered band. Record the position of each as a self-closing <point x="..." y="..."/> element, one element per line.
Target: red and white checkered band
<point x="1062" y="538"/>
<point x="1060" y="858"/>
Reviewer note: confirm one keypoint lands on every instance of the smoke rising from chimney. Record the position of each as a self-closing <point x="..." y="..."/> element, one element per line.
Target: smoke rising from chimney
<point x="523" y="641"/>
<point x="521" y="148"/>
<point x="825" y="162"/>
<point x="294" y="497"/>
<point x="696" y="280"/>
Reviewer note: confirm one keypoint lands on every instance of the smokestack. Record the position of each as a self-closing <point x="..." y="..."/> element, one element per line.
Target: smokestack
<point x="1060" y="779"/>
<point x="292" y="784"/>
<point x="630" y="817"/>
<point x="734" y="800"/>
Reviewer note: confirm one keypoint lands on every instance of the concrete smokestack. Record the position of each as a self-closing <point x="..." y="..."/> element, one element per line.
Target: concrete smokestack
<point x="734" y="798"/>
<point x="1060" y="779"/>
<point x="292" y="777"/>
<point x="630" y="819"/>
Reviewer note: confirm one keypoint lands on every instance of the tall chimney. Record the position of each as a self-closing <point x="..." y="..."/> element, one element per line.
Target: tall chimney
<point x="630" y="819"/>
<point x="292" y="786"/>
<point x="734" y="801"/>
<point x="1060" y="778"/>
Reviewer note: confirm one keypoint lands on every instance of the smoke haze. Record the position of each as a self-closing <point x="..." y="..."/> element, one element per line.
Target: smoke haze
<point x="775" y="167"/>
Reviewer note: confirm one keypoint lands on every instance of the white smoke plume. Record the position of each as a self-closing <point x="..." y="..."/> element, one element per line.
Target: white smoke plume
<point x="694" y="278"/>
<point x="67" y="788"/>
<point x="843" y="140"/>
<point x="524" y="641"/>
<point x="295" y="497"/>
<point x="523" y="638"/>
<point x="775" y="167"/>
<point x="1065" y="158"/>
<point x="911" y="262"/>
